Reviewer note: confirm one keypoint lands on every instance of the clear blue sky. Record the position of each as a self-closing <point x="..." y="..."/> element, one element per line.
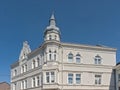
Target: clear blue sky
<point x="80" y="21"/>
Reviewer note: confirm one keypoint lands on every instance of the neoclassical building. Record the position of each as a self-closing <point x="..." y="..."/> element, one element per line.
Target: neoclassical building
<point x="63" y="66"/>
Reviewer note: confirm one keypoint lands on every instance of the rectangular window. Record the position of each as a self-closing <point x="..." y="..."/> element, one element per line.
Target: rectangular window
<point x="14" y="86"/>
<point x="52" y="77"/>
<point x="47" y="77"/>
<point x="97" y="79"/>
<point x="78" y="78"/>
<point x="70" y="78"/>
<point x="38" y="81"/>
<point x="33" y="82"/>
<point x="25" y="84"/>
<point x="118" y="77"/>
<point x="77" y="60"/>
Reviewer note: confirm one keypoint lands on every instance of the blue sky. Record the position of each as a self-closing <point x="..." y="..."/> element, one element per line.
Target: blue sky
<point x="80" y="21"/>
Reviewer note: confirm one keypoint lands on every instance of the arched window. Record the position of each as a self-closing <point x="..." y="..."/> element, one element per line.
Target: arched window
<point x="50" y="37"/>
<point x="55" y="55"/>
<point x="97" y="59"/>
<point x="78" y="58"/>
<point x="50" y="55"/>
<point x="70" y="57"/>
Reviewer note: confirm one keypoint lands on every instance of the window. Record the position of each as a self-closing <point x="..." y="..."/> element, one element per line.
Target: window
<point x="38" y="81"/>
<point x="33" y="82"/>
<point x="14" y="86"/>
<point x="25" y="82"/>
<point x="47" y="77"/>
<point x="50" y="55"/>
<point x="15" y="72"/>
<point x="118" y="77"/>
<point x="78" y="78"/>
<point x="50" y="77"/>
<point x="70" y="78"/>
<point x="55" y="37"/>
<point x="70" y="57"/>
<point x="97" y="59"/>
<point x="22" y="68"/>
<point x="78" y="58"/>
<point x="54" y="55"/>
<point x="50" y="37"/>
<point x="33" y="64"/>
<point x="38" y="61"/>
<point x="97" y="79"/>
<point x="25" y="67"/>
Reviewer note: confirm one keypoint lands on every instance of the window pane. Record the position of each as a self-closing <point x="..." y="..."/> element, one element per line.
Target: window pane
<point x="78" y="76"/>
<point x="52" y="77"/>
<point x="97" y="59"/>
<point x="70" y="57"/>
<point x="70" y="78"/>
<point x="98" y="79"/>
<point x="47" y="77"/>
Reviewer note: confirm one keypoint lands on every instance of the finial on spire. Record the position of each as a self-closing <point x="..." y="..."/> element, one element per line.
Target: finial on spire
<point x="52" y="20"/>
<point x="52" y="16"/>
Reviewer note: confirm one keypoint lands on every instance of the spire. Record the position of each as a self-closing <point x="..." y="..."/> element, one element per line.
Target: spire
<point x="52" y="20"/>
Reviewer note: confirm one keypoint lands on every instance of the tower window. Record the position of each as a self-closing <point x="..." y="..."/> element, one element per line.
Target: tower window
<point x="50" y="55"/>
<point x="55" y="37"/>
<point x="50" y="37"/>
<point x="54" y="55"/>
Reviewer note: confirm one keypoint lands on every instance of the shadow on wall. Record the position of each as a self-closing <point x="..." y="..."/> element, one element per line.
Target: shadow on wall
<point x="112" y="81"/>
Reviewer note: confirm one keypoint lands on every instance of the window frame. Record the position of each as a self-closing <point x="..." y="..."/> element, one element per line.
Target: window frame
<point x="97" y="60"/>
<point x="98" y="79"/>
<point x="78" y="78"/>
<point x="78" y="57"/>
<point x="70" y="57"/>
<point x="70" y="78"/>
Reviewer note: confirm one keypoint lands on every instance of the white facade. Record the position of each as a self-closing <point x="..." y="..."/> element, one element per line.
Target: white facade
<point x="64" y="66"/>
<point x="117" y="75"/>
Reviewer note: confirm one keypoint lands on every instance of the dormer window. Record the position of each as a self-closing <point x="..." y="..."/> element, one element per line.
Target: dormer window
<point x="97" y="60"/>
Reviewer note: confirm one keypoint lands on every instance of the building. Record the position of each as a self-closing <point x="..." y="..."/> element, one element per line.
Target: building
<point x="63" y="66"/>
<point x="4" y="86"/>
<point x="117" y="76"/>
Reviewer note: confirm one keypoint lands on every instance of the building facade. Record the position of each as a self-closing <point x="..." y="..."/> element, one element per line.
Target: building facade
<point x="117" y="76"/>
<point x="63" y="66"/>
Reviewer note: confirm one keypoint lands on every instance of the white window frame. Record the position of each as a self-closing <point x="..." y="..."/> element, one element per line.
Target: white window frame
<point x="70" y="58"/>
<point x="98" y="79"/>
<point x="50" y="75"/>
<point x="77" y="78"/>
<point x="78" y="57"/>
<point x="70" y="76"/>
<point x="97" y="60"/>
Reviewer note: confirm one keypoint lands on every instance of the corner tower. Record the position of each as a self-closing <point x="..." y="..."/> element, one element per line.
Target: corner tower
<point x="52" y="32"/>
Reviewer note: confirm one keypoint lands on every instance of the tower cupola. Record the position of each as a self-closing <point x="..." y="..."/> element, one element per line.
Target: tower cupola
<point x="52" y="32"/>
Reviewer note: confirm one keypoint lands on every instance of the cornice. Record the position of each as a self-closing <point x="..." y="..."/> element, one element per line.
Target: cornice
<point x="89" y="47"/>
